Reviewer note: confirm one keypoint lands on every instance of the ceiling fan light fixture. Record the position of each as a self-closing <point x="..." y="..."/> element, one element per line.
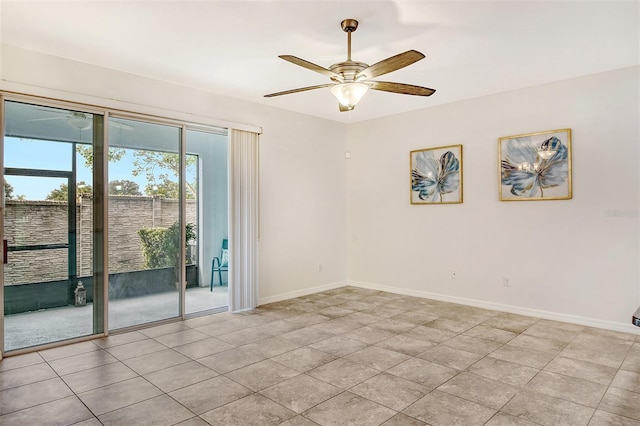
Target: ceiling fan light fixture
<point x="349" y="94"/>
<point x="80" y="123"/>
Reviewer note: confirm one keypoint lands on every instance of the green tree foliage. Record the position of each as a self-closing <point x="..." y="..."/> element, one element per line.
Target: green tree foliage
<point x="146" y="163"/>
<point x="124" y="187"/>
<point x="160" y="245"/>
<point x="166" y="189"/>
<point x="8" y="191"/>
<point x="153" y="248"/>
<point x="115" y="154"/>
<point x="61" y="193"/>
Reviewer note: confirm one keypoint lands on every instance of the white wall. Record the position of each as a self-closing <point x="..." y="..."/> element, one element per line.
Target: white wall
<point x="302" y="175"/>
<point x="564" y="259"/>
<point x="302" y="204"/>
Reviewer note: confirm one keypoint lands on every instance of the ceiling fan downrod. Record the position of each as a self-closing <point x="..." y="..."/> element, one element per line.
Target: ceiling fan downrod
<point x="349" y="26"/>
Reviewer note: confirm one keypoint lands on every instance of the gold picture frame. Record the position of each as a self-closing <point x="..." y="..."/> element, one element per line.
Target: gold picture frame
<point x="436" y="175"/>
<point x="535" y="166"/>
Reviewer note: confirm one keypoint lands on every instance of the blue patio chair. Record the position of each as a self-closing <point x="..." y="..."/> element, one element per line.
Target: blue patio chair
<point x="220" y="264"/>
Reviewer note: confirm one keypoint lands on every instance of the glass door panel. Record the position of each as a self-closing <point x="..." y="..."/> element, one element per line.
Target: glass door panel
<point x="42" y="231"/>
<point x="144" y="222"/>
<point x="207" y="181"/>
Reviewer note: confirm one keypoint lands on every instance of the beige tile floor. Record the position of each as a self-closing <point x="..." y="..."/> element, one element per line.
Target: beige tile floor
<point x="346" y="356"/>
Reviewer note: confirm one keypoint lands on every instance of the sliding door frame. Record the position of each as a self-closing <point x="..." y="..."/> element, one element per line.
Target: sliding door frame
<point x="2" y="210"/>
<point x="100" y="143"/>
<point x="99" y="212"/>
<point x="100" y="221"/>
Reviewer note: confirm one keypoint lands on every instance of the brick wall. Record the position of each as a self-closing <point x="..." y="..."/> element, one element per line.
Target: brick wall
<point x="45" y="222"/>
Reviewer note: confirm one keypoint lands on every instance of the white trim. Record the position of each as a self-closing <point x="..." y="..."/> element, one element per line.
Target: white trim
<point x="300" y="293"/>
<point x="573" y="319"/>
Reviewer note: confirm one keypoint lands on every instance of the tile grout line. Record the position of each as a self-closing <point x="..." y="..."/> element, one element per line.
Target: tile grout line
<point x="344" y="357"/>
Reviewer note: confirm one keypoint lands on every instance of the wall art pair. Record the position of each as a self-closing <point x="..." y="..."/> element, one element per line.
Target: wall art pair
<point x="532" y="167"/>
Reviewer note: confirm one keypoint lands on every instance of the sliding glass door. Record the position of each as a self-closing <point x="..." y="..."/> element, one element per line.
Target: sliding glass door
<point x="207" y="209"/>
<point x="48" y="237"/>
<point x="102" y="235"/>
<point x="144" y="222"/>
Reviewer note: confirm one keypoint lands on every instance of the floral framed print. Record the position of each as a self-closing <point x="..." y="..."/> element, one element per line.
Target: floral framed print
<point x="436" y="175"/>
<point x="535" y="166"/>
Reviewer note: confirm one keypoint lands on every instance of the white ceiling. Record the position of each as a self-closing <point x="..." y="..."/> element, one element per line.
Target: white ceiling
<point x="473" y="48"/>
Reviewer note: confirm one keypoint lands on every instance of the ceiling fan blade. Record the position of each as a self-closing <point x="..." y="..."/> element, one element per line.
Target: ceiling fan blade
<point x="120" y="125"/>
<point x="53" y="110"/>
<point x="405" y="89"/>
<point x="310" y="66"/>
<point x="345" y="108"/>
<point x="47" y="119"/>
<point x="393" y="63"/>
<point x="301" y="89"/>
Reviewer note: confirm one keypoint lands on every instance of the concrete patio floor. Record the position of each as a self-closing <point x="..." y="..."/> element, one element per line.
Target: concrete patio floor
<point x="51" y="325"/>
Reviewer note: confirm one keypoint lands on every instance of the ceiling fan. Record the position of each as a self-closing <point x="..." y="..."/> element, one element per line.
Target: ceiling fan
<point x="351" y="79"/>
<point x="78" y="120"/>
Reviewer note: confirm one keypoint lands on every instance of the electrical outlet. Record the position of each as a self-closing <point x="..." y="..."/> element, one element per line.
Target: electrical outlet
<point x="454" y="274"/>
<point x="505" y="281"/>
<point x="319" y="267"/>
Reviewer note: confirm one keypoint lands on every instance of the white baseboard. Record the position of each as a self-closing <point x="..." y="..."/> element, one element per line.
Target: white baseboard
<point x="555" y="316"/>
<point x="574" y="319"/>
<point x="300" y="293"/>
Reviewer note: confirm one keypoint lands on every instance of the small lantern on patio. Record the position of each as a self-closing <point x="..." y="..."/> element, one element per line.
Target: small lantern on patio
<point x="81" y="294"/>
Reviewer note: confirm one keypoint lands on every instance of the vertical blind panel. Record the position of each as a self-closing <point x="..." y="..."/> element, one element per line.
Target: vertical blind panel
<point x="243" y="220"/>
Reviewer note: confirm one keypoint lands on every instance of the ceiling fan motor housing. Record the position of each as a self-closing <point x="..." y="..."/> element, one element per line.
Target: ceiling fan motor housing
<point x="348" y="70"/>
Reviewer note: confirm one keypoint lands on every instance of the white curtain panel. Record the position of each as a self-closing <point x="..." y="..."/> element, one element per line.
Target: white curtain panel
<point x="243" y="220"/>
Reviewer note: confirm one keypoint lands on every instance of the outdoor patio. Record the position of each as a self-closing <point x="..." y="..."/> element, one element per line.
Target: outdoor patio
<point x="50" y="325"/>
